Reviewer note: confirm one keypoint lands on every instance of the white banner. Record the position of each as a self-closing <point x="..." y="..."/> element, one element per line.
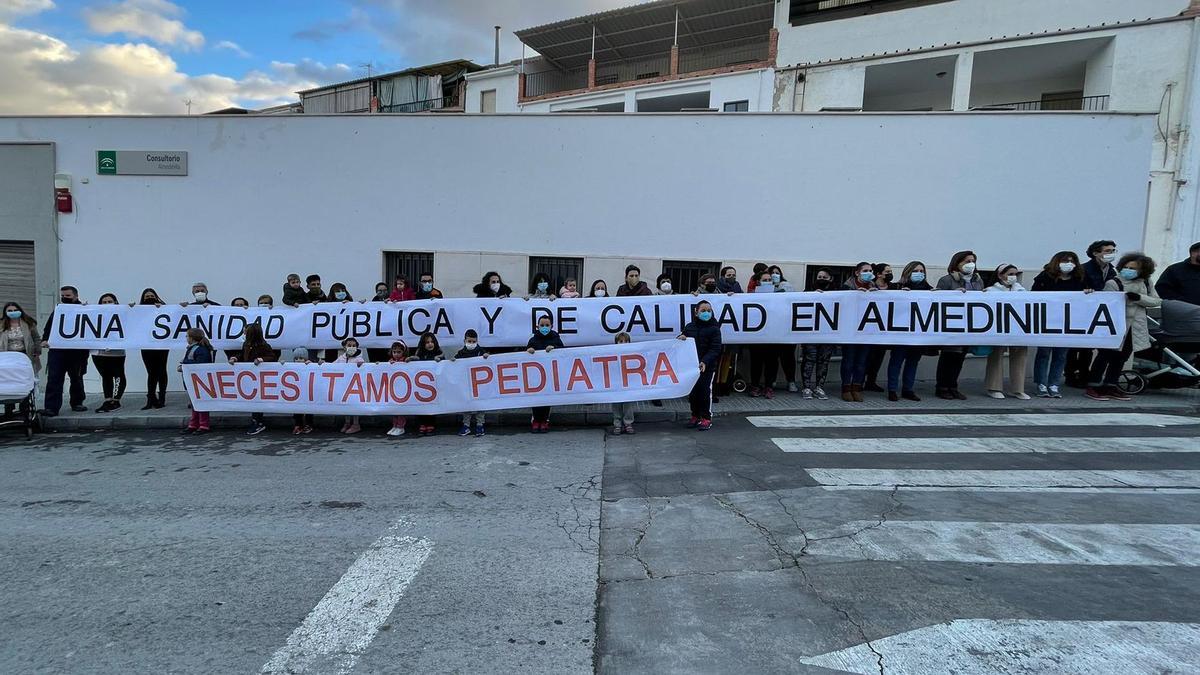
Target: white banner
<point x="660" y="369"/>
<point x="942" y="318"/>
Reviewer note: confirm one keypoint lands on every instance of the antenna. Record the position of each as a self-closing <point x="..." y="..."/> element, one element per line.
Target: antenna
<point x="369" y="66"/>
<point x="188" y="103"/>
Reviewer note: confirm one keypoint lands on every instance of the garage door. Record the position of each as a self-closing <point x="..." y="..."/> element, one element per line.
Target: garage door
<point x="17" y="274"/>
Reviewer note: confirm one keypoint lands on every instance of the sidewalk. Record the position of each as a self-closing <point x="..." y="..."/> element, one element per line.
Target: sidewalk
<point x="174" y="415"/>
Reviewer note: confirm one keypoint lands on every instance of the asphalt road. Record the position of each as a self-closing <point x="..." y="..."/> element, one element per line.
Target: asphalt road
<point x="997" y="543"/>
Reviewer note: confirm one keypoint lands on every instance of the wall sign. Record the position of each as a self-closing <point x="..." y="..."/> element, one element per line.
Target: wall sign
<point x="141" y="162"/>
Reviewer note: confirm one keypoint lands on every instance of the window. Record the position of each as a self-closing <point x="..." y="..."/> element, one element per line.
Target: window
<point x="487" y="101"/>
<point x="685" y="274"/>
<point x="412" y="265"/>
<point x="812" y="11"/>
<point x="840" y="274"/>
<point x="558" y="269"/>
<point x="17" y="275"/>
<point x="737" y="106"/>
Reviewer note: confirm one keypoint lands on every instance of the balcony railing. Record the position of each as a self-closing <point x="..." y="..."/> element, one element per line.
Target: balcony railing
<point x="732" y="54"/>
<point x="809" y="11"/>
<point x="421" y="106"/>
<point x="550" y="81"/>
<point x="1085" y="103"/>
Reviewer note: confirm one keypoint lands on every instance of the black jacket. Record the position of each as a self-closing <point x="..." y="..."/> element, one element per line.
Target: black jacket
<point x="540" y="342"/>
<point x="1180" y="281"/>
<point x="1094" y="279"/>
<point x="434" y="294"/>
<point x="1044" y="282"/>
<point x="465" y="353"/>
<point x="642" y="288"/>
<point x="707" y="335"/>
<point x="294" y="296"/>
<point x="485" y="291"/>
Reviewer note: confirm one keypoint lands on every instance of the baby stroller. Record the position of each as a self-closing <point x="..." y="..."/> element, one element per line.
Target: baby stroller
<point x="17" y="388"/>
<point x="1170" y="362"/>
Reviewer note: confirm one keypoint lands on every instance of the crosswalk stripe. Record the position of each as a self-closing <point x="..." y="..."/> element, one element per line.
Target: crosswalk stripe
<point x="1037" y="420"/>
<point x="988" y="646"/>
<point x="1005" y="478"/>
<point x="1013" y="543"/>
<point x="1069" y="444"/>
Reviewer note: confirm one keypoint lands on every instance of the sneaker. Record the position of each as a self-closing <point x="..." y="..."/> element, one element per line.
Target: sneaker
<point x="820" y="394"/>
<point x="755" y="392"/>
<point x="297" y="430"/>
<point x="256" y="429"/>
<point x="693" y="422"/>
<point x="479" y="431"/>
<point x="464" y="430"/>
<point x="1042" y="391"/>
<point x="1054" y="392"/>
<point x="704" y="425"/>
<point x="807" y="394"/>
<point x="114" y="405"/>
<point x="769" y="393"/>
<point x="394" y="431"/>
<point x="1020" y="396"/>
<point x="353" y="429"/>
<point x="308" y="429"/>
<point x="545" y="427"/>
<point x="1117" y="395"/>
<point x="83" y="408"/>
<point x="629" y="429"/>
<point x="1095" y="394"/>
<point x="995" y="394"/>
<point x="616" y="430"/>
<point x="792" y="387"/>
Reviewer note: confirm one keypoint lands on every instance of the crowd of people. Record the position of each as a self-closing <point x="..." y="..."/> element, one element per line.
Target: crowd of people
<point x="1096" y="371"/>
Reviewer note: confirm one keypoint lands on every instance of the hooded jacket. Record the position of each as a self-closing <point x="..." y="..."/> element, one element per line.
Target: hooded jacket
<point x="642" y="288"/>
<point x="707" y="335"/>
<point x="294" y="296"/>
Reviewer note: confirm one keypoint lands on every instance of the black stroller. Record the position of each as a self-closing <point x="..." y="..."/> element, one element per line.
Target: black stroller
<point x="1170" y="362"/>
<point x="18" y="385"/>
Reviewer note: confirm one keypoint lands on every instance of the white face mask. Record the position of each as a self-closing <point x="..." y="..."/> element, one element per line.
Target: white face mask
<point x="968" y="268"/>
<point x="1109" y="257"/>
<point x="1066" y="268"/>
<point x="665" y="286"/>
<point x="470" y="345"/>
<point x="351" y="351"/>
<point x="263" y="304"/>
<point x="600" y="292"/>
<point x="1010" y="279"/>
<point x="495" y="286"/>
<point x="200" y="296"/>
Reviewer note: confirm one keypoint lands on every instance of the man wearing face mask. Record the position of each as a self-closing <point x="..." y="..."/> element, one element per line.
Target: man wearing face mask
<point x="727" y="282"/>
<point x="1099" y="270"/>
<point x="200" y="296"/>
<point x="1181" y="280"/>
<point x="64" y="363"/>
<point x="425" y="289"/>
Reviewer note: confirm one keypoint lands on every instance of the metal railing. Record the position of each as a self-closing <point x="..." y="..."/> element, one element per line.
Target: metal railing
<point x="632" y="71"/>
<point x="731" y="54"/>
<point x="550" y="81"/>
<point x="1085" y="103"/>
<point x="421" y="106"/>
<point x="808" y="11"/>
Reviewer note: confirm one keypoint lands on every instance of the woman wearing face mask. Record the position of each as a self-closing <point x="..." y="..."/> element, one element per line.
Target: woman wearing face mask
<point x="544" y="338"/>
<point x="785" y="353"/>
<point x="381" y="293"/>
<point x="883" y="282"/>
<point x="854" y="357"/>
<point x="1008" y="280"/>
<point x="764" y="358"/>
<point x="155" y="361"/>
<point x="339" y="293"/>
<point x="727" y="281"/>
<point x="110" y="363"/>
<point x="1106" y="368"/>
<point x="599" y="289"/>
<point x="708" y="285"/>
<point x="240" y="302"/>
<point x="19" y="333"/>
<point x="706" y="331"/>
<point x="816" y="357"/>
<point x="1062" y="273"/>
<point x="1136" y="270"/>
<point x="492" y="286"/>
<point x="961" y="277"/>
<point x="662" y="285"/>
<point x="539" y="287"/>
<point x="902" y="367"/>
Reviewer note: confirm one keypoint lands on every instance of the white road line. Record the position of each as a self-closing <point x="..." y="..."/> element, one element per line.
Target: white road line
<point x="1007" y="479"/>
<point x="1034" y="420"/>
<point x="1024" y="646"/>
<point x="342" y="625"/>
<point x="1014" y="543"/>
<point x="1040" y="490"/>
<point x="919" y="446"/>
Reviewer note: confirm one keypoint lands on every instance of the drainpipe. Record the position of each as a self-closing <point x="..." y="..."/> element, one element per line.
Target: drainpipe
<point x="1186" y="153"/>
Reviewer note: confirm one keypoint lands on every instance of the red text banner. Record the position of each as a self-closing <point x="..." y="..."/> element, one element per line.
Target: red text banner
<point x="658" y="369"/>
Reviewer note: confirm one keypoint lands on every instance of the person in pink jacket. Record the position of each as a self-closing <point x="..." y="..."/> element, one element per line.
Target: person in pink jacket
<point x="350" y="353"/>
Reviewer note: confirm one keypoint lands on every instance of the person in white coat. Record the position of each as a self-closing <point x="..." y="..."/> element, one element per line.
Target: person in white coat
<point x="1135" y="270"/>
<point x="1008" y="280"/>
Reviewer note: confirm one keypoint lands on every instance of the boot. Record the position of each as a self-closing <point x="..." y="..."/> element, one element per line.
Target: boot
<point x="161" y="401"/>
<point x="856" y="392"/>
<point x="846" y="395"/>
<point x="150" y="401"/>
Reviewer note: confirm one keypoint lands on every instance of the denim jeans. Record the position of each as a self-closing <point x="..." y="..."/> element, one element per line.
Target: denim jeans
<point x="854" y="364"/>
<point x="906" y="358"/>
<point x="1048" y="366"/>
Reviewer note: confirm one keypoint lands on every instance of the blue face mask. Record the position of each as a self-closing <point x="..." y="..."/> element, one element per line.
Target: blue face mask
<point x="544" y="330"/>
<point x="13" y="314"/>
<point x="867" y="276"/>
<point x="705" y="315"/>
<point x="775" y="278"/>
<point x="1128" y="274"/>
<point x="542" y="286"/>
<point x="917" y="277"/>
<point x="340" y="295"/>
<point x="426" y="286"/>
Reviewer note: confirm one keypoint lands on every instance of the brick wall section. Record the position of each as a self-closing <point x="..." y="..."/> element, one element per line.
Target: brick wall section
<point x="591" y="74"/>
<point x="520" y="86"/>
<point x="772" y="45"/>
<point x="674" y="70"/>
<point x="650" y="80"/>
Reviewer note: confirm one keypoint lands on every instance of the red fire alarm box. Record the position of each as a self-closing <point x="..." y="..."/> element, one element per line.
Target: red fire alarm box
<point x="62" y="193"/>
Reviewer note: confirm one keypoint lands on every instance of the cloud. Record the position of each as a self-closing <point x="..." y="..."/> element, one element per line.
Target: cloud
<point x="43" y="75"/>
<point x="233" y="47"/>
<point x="151" y="19"/>
<point x="11" y="9"/>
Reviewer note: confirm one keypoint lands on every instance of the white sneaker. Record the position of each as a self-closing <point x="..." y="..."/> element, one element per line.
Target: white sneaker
<point x="1042" y="392"/>
<point x="807" y="394"/>
<point x="1020" y="396"/>
<point x="995" y="394"/>
<point x="792" y="387"/>
<point x="820" y="394"/>
<point x="395" y="431"/>
<point x="1054" y="393"/>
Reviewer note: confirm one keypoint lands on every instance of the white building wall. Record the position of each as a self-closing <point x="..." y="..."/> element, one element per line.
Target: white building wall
<point x="756" y="87"/>
<point x="503" y="80"/>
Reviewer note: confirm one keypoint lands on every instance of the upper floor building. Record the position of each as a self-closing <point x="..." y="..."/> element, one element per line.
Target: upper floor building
<point x="438" y="86"/>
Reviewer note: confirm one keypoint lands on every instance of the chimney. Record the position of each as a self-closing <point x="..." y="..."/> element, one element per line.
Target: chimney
<point x="496" y="60"/>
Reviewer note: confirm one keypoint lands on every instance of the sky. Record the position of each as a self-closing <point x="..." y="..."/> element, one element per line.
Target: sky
<point x="152" y="56"/>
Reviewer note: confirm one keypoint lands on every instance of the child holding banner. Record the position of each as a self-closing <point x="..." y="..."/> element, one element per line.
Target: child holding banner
<point x="706" y="331"/>
<point x="398" y="354"/>
<point x="427" y="350"/>
<point x="301" y="424"/>
<point x="199" y="350"/>
<point x="545" y="339"/>
<point x="256" y="350"/>
<point x="469" y="350"/>
<point x="622" y="412"/>
<point x="350" y="354"/>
